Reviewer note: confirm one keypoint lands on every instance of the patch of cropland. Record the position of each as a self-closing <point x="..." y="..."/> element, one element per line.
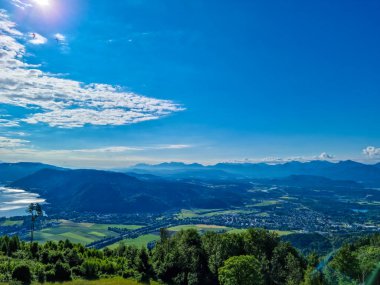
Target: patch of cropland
<point x="83" y="233"/>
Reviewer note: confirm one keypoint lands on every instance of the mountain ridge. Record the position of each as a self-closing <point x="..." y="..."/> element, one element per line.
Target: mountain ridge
<point x="13" y="171"/>
<point x="342" y="170"/>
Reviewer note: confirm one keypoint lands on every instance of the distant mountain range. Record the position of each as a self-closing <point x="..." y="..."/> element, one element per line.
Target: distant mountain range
<point x="12" y="171"/>
<point x="343" y="170"/>
<point x="172" y="186"/>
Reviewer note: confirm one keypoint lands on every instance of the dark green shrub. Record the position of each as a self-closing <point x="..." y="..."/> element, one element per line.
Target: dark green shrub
<point x="22" y="273"/>
<point x="62" y="272"/>
<point x="50" y="276"/>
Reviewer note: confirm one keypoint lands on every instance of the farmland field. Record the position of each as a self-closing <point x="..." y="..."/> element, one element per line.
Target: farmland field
<point x="280" y="233"/>
<point x="139" y="242"/>
<point x="9" y="222"/>
<point x="198" y="227"/>
<point x="196" y="213"/>
<point x="78" y="232"/>
<point x="192" y="213"/>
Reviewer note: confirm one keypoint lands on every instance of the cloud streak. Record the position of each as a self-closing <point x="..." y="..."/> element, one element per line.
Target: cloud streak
<point x="65" y="103"/>
<point x="6" y="143"/>
<point x="14" y="150"/>
<point x="21" y="4"/>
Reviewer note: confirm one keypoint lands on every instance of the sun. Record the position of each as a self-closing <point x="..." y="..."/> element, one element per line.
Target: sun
<point x="42" y="3"/>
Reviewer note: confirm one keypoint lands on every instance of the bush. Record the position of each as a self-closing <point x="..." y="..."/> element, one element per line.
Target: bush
<point x="90" y="269"/>
<point x="40" y="274"/>
<point x="50" y="276"/>
<point x="76" y="271"/>
<point x="129" y="273"/>
<point x="22" y="273"/>
<point x="62" y="272"/>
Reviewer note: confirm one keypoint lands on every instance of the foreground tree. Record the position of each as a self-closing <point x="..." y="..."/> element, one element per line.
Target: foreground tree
<point x="241" y="270"/>
<point x="35" y="210"/>
<point x="286" y="265"/>
<point x="181" y="260"/>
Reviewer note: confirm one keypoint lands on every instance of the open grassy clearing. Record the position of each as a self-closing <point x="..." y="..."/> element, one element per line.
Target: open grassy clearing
<point x="267" y="203"/>
<point x="139" y="242"/>
<point x="8" y="223"/>
<point x="78" y="232"/>
<point x="263" y="214"/>
<point x="192" y="213"/>
<point x="289" y="198"/>
<point x="196" y="213"/>
<point x="280" y="233"/>
<point x="201" y="228"/>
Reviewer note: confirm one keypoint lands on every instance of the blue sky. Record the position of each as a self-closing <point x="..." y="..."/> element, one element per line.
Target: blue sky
<point x="223" y="80"/>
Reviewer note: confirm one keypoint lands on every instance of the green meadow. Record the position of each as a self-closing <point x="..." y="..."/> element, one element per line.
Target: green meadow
<point x="201" y="228"/>
<point x="78" y="232"/>
<point x="280" y="233"/>
<point x="8" y="223"/>
<point x="139" y="242"/>
<point x="249" y="209"/>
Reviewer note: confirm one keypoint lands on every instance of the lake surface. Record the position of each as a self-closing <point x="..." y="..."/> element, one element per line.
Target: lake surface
<point x="13" y="202"/>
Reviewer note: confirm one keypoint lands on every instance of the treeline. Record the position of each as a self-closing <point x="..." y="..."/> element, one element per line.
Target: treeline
<point x="255" y="256"/>
<point x="357" y="261"/>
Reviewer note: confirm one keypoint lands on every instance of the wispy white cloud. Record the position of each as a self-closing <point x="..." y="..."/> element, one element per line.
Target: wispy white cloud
<point x="62" y="42"/>
<point x="103" y="157"/>
<point x="60" y="37"/>
<point x="372" y="151"/>
<point x="174" y="146"/>
<point x="21" y="4"/>
<point x="65" y="103"/>
<point x="110" y="149"/>
<point x="8" y="123"/>
<point x="37" y="39"/>
<point x="119" y="149"/>
<point x="275" y="160"/>
<point x="6" y="143"/>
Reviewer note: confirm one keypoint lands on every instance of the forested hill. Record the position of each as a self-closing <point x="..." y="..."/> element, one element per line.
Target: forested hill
<point x="10" y="172"/>
<point x="105" y="192"/>
<point x="254" y="256"/>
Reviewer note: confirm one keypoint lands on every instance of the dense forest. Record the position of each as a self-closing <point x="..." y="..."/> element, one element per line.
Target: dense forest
<point x="255" y="256"/>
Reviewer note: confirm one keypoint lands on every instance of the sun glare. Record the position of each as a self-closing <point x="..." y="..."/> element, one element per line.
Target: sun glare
<point x="43" y="3"/>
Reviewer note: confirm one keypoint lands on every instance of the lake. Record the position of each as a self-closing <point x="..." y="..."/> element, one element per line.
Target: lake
<point x="13" y="202"/>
